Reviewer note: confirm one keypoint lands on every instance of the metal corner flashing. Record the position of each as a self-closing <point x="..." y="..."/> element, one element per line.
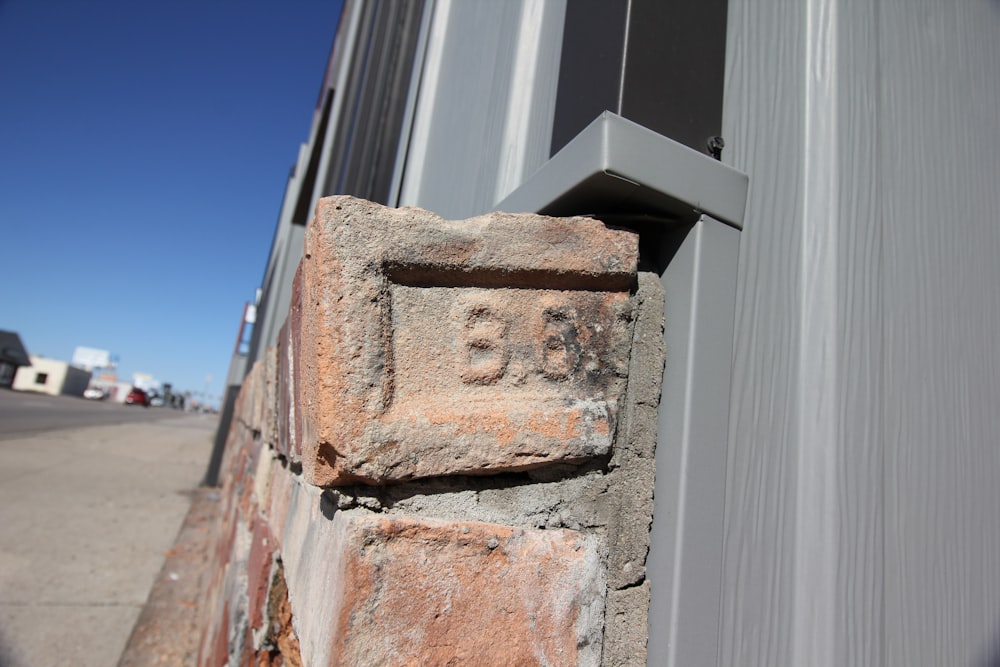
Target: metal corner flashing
<point x="618" y="166"/>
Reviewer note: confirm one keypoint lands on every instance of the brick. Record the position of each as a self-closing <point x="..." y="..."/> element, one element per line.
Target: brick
<point x="226" y="543"/>
<point x="238" y="432"/>
<point x="269" y="408"/>
<point x="279" y="645"/>
<point x="430" y="347"/>
<point x="247" y="398"/>
<point x="293" y="373"/>
<point x="284" y="389"/>
<point x="257" y="390"/>
<point x="422" y="592"/>
<point x="241" y="409"/>
<point x="246" y="483"/>
<point x="216" y="649"/>
<point x="259" y="564"/>
<point x="280" y="491"/>
<point x="262" y="478"/>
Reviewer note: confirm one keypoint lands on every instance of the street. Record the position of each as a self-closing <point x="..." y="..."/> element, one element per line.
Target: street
<point x="22" y="413"/>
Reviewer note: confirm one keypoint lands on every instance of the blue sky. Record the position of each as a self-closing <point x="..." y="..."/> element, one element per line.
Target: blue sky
<point x="144" y="150"/>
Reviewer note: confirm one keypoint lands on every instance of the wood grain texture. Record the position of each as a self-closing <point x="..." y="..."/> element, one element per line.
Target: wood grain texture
<point x="862" y="510"/>
<point x="941" y="156"/>
<point x="763" y="128"/>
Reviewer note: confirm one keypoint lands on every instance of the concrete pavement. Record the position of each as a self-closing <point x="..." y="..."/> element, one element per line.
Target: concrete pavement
<point x="87" y="517"/>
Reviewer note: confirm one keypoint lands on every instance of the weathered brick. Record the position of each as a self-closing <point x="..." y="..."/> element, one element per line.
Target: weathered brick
<point x="241" y="409"/>
<point x="246" y="484"/>
<point x="421" y="592"/>
<point x="227" y="535"/>
<point x="215" y="649"/>
<point x="259" y="564"/>
<point x="280" y="485"/>
<point x="262" y="477"/>
<point x="283" y="420"/>
<point x="238" y="432"/>
<point x="277" y="645"/>
<point x="257" y="390"/>
<point x="269" y="406"/>
<point x="432" y="347"/>
<point x="294" y="434"/>
<point x="247" y="398"/>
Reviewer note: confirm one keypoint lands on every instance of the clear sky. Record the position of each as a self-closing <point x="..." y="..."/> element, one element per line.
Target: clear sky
<point x="144" y="151"/>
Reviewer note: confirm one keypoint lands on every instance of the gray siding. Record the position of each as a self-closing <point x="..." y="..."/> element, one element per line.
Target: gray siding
<point x="484" y="104"/>
<point x="861" y="509"/>
<point x="939" y="111"/>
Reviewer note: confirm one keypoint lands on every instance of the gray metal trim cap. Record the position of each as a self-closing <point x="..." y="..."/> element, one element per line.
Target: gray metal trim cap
<point x="618" y="166"/>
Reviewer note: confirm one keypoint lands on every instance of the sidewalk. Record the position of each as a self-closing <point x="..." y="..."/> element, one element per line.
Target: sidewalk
<point x="169" y="628"/>
<point x="87" y="518"/>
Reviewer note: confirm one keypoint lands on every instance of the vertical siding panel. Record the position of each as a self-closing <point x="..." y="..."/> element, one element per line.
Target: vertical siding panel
<point x="862" y="510"/>
<point x="803" y="552"/>
<point x="858" y="624"/>
<point x="763" y="128"/>
<point x="941" y="151"/>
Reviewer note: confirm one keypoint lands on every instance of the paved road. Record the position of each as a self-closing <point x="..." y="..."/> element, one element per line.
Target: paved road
<point x="23" y="413"/>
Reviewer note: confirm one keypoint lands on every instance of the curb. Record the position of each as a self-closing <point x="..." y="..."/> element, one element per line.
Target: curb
<point x="168" y="632"/>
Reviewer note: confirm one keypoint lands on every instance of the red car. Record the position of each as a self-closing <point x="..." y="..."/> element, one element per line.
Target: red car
<point x="137" y="397"/>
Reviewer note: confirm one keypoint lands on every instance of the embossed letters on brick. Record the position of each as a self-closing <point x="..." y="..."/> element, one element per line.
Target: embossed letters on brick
<point x="431" y="347"/>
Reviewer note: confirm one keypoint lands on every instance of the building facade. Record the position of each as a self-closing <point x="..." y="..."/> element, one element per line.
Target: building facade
<point x="827" y="455"/>
<point x="12" y="356"/>
<point x="51" y="376"/>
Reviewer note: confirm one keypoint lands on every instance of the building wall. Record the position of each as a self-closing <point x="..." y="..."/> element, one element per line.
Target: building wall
<point x="858" y="500"/>
<point x="58" y="377"/>
<point x="483" y="102"/>
<point x="860" y="524"/>
<point x="76" y="381"/>
<point x="7" y="372"/>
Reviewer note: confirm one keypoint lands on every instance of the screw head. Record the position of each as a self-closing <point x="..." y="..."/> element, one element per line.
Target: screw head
<point x="715" y="146"/>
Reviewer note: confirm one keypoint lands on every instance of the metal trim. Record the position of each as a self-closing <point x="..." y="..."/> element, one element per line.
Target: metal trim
<point x="618" y="166"/>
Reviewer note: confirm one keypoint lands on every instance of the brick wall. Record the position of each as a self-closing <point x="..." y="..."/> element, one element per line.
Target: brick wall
<point x="448" y="457"/>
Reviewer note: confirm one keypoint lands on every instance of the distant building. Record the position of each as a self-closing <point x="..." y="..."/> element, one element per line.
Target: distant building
<point x="51" y="376"/>
<point x="12" y="356"/>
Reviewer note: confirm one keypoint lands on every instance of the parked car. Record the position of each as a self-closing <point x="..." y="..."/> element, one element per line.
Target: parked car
<point x="156" y="401"/>
<point x="137" y="397"/>
<point x="95" y="394"/>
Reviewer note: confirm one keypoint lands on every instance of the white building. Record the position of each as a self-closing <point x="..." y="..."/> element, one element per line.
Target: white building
<point x="51" y="376"/>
